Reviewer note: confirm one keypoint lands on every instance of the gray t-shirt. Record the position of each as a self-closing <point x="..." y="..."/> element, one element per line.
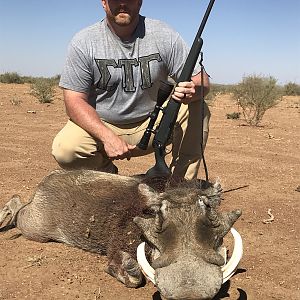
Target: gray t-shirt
<point x="122" y="78"/>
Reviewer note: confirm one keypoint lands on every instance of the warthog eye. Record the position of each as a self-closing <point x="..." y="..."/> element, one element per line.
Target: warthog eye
<point x="160" y="224"/>
<point x="149" y="212"/>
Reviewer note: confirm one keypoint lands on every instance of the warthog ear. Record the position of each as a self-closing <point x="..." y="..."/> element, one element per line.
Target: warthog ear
<point x="217" y="186"/>
<point x="153" y="198"/>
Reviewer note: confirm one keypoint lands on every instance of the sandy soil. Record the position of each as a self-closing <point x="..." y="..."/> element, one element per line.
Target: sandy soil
<point x="260" y="165"/>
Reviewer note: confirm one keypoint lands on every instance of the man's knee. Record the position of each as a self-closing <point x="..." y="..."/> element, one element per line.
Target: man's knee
<point x="63" y="152"/>
<point x="73" y="143"/>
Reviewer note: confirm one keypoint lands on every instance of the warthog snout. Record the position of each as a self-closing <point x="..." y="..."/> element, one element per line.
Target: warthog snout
<point x="190" y="278"/>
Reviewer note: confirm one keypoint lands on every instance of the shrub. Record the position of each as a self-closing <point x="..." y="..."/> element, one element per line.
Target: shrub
<point x="43" y="89"/>
<point x="292" y="89"/>
<point x="55" y="79"/>
<point x="14" y="77"/>
<point x="11" y="77"/>
<point x="233" y="116"/>
<point x="15" y="101"/>
<point x="216" y="90"/>
<point x="28" y="79"/>
<point x="255" y="95"/>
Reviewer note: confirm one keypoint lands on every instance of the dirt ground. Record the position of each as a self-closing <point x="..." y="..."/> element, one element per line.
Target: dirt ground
<point x="261" y="167"/>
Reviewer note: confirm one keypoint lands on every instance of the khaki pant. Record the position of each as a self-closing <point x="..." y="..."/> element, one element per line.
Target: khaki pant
<point x="74" y="148"/>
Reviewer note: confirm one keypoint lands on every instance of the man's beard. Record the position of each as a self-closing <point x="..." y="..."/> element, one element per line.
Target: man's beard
<point x="122" y="18"/>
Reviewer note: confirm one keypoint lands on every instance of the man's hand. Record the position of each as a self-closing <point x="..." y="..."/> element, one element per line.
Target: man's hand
<point x="85" y="116"/>
<point x="116" y="148"/>
<point x="189" y="91"/>
<point x="184" y="92"/>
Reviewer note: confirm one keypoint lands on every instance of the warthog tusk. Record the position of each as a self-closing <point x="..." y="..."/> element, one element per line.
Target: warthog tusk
<point x="229" y="269"/>
<point x="148" y="271"/>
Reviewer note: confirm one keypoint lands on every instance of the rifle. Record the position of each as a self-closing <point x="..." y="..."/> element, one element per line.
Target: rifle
<point x="166" y="126"/>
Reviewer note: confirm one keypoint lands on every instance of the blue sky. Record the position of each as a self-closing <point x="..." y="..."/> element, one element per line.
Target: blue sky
<point x="242" y="37"/>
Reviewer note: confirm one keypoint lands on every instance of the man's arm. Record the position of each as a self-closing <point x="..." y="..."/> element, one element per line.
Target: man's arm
<point x="190" y="91"/>
<point x="85" y="116"/>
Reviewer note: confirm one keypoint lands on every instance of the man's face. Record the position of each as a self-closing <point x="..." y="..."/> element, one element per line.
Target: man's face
<point x="122" y="12"/>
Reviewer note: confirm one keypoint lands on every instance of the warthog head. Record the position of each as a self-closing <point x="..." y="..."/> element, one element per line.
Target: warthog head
<point x="185" y="235"/>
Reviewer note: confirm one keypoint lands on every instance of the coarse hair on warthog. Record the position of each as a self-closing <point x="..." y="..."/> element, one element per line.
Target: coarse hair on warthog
<point x="112" y="214"/>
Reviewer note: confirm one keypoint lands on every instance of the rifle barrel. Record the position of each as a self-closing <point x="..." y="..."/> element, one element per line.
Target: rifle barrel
<point x="165" y="128"/>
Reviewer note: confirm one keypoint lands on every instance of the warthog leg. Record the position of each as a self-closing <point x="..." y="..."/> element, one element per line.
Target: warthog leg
<point x="10" y="209"/>
<point x="126" y="269"/>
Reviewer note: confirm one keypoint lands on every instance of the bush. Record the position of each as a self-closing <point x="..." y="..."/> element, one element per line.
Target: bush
<point x="55" y="79"/>
<point x="43" y="89"/>
<point x="233" y="116"/>
<point x="216" y="90"/>
<point x="292" y="89"/>
<point x="14" y="77"/>
<point x="11" y="77"/>
<point x="28" y="79"/>
<point x="255" y="95"/>
<point x="15" y="101"/>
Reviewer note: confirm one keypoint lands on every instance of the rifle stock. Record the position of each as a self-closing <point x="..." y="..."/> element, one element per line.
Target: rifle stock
<point x="166" y="126"/>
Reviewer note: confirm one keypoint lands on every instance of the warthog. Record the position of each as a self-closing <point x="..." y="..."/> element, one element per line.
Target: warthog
<point x="98" y="212"/>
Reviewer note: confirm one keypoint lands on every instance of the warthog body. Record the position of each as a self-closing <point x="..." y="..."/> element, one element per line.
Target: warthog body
<point x="111" y="214"/>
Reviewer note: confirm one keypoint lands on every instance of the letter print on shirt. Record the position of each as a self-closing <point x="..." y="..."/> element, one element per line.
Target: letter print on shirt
<point x="127" y="70"/>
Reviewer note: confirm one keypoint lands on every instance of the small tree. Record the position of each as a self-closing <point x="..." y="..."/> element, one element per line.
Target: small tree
<point x="292" y="89"/>
<point x="43" y="89"/>
<point x="255" y="95"/>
